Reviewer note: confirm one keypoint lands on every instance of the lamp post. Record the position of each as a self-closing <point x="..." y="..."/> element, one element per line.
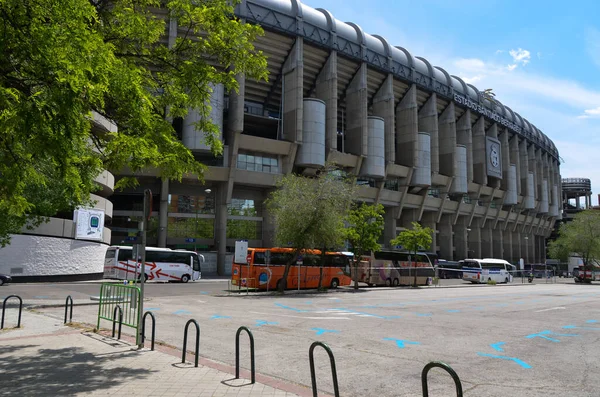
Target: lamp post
<point x="468" y="230"/>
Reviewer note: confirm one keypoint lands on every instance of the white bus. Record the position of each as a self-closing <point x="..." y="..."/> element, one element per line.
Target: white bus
<point x="162" y="264"/>
<point x="393" y="268"/>
<point x="487" y="269"/>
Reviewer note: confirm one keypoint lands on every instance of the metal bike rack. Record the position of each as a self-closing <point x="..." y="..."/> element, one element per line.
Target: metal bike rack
<point x="4" y="307"/>
<point x="445" y="367"/>
<point x="69" y="302"/>
<point x="336" y="390"/>
<point x="115" y="319"/>
<point x="237" y="353"/>
<point x="185" y="341"/>
<point x="144" y="328"/>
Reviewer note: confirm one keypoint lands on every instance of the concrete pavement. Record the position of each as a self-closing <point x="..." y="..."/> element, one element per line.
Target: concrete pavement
<point x="46" y="358"/>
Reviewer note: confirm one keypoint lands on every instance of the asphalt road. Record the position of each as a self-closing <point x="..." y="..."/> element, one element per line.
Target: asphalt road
<point x="518" y="340"/>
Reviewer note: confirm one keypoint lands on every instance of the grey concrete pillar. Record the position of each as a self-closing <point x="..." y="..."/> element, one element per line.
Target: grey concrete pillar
<point x="293" y="92"/>
<point x="460" y="238"/>
<point x="515" y="158"/>
<point x="326" y="90"/>
<point x="428" y="122"/>
<point x="268" y="224"/>
<point x="474" y="238"/>
<point x="539" y="174"/>
<point x="447" y="141"/>
<point x="493" y="133"/>
<point x="407" y="128"/>
<point x="524" y="162"/>
<point x="429" y="220"/>
<point x="356" y="113"/>
<point x="505" y="158"/>
<point x="445" y="237"/>
<point x="464" y="136"/>
<point x="509" y="253"/>
<point x="532" y="167"/>
<point x="479" y="158"/>
<point x="221" y="227"/>
<point x="518" y="246"/>
<point x="487" y="241"/>
<point x="389" y="227"/>
<point x="163" y="214"/>
<point x="498" y="243"/>
<point x="383" y="106"/>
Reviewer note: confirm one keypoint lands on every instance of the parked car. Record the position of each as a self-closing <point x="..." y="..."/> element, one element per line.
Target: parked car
<point x="5" y="279"/>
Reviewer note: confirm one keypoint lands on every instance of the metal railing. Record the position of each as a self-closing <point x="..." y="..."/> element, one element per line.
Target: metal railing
<point x="153" y="328"/>
<point x="127" y="298"/>
<point x="237" y="354"/>
<point x="312" y="368"/>
<point x="69" y="303"/>
<point x="445" y="367"/>
<point x="185" y="341"/>
<point x="4" y="307"/>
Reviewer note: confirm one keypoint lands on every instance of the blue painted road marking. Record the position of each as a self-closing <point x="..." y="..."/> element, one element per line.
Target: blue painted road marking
<point x="453" y="311"/>
<point x="546" y="332"/>
<point x="591" y="321"/>
<point x="40" y="297"/>
<point x="182" y="312"/>
<point x="520" y="362"/>
<point x="496" y="346"/>
<point x="203" y="292"/>
<point x="575" y="327"/>
<point x="363" y="314"/>
<point x="260" y="323"/>
<point x="321" y="331"/>
<point x="401" y="343"/>
<point x="308" y="303"/>
<point x="152" y="309"/>
<point x="216" y="316"/>
<point x="423" y="314"/>
<point x="290" y="308"/>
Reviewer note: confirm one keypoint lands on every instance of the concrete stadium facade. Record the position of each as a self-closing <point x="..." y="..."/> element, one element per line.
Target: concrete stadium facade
<point x="425" y="144"/>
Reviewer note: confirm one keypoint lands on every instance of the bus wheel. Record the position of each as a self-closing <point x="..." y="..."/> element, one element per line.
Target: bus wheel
<point x="145" y="277"/>
<point x="388" y="282"/>
<point x="395" y="282"/>
<point x="506" y="280"/>
<point x="185" y="278"/>
<point x="334" y="283"/>
<point x="279" y="283"/>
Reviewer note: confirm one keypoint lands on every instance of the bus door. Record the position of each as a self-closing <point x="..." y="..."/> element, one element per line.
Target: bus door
<point x="196" y="266"/>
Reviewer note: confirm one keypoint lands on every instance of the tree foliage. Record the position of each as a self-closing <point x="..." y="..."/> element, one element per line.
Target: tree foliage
<point x="365" y="225"/>
<point x="413" y="240"/>
<point x="308" y="213"/>
<point x="62" y="60"/>
<point x="581" y="237"/>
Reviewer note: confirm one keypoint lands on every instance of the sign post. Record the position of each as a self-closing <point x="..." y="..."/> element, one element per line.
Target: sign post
<point x="142" y="254"/>
<point x="299" y="263"/>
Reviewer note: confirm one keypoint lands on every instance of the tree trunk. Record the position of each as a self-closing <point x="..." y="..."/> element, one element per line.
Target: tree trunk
<point x="356" y="262"/>
<point x="415" y="279"/>
<point x="282" y="286"/>
<point x="321" y="269"/>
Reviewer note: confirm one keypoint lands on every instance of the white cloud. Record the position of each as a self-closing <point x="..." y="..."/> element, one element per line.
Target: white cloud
<point x="589" y="113"/>
<point x="511" y="67"/>
<point x="499" y="52"/>
<point x="520" y="56"/>
<point x="592" y="44"/>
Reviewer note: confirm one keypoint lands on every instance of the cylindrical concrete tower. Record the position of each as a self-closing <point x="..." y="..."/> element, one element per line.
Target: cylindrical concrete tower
<point x="194" y="139"/>
<point x="374" y="164"/>
<point x="511" y="197"/>
<point x="530" y="197"/>
<point x="554" y="206"/>
<point x="544" y="198"/>
<point x="460" y="184"/>
<point x="422" y="173"/>
<point x="312" y="151"/>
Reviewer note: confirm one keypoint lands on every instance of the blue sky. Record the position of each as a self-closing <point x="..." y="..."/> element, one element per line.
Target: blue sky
<point x="541" y="58"/>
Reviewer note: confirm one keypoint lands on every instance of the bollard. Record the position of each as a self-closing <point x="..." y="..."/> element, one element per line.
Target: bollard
<point x="445" y="367"/>
<point x="67" y="301"/>
<point x="312" y="368"/>
<point x="4" y="307"/>
<point x="237" y="354"/>
<point x="115" y="319"/>
<point x="185" y="341"/>
<point x="144" y="328"/>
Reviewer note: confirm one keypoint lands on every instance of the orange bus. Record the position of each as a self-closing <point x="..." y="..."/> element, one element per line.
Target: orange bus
<point x="265" y="267"/>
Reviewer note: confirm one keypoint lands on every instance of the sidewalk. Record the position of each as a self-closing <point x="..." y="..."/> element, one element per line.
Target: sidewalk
<point x="46" y="358"/>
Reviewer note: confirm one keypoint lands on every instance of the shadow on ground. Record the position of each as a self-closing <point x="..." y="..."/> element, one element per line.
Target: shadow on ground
<point x="60" y="372"/>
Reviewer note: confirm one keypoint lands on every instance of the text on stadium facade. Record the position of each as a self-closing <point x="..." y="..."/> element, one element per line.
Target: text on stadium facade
<point x="461" y="100"/>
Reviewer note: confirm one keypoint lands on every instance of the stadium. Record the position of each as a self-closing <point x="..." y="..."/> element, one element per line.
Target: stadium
<point x="426" y="145"/>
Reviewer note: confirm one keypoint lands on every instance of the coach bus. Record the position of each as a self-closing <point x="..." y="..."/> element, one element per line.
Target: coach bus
<point x="486" y="270"/>
<point x="265" y="268"/>
<point x="162" y="264"/>
<point x="393" y="268"/>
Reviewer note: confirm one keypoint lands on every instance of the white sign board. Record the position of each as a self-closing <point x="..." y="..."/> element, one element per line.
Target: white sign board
<point x="241" y="251"/>
<point x="89" y="224"/>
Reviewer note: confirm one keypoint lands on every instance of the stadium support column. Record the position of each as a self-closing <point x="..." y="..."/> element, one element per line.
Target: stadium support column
<point x="268" y="224"/>
<point x="509" y="254"/>
<point x="356" y="113"/>
<point x="163" y="214"/>
<point x="515" y="159"/>
<point x="524" y="166"/>
<point x="389" y="227"/>
<point x="383" y="106"/>
<point x="447" y="141"/>
<point x="293" y="81"/>
<point x="221" y="227"/>
<point x="407" y="128"/>
<point x="487" y="247"/>
<point x="428" y="220"/>
<point x="445" y="240"/>
<point x="460" y="238"/>
<point x="464" y="136"/>
<point x="234" y="127"/>
<point x="326" y="90"/>
<point x="497" y="241"/>
<point x="428" y="122"/>
<point x="475" y="239"/>
<point x="479" y="163"/>
<point x="533" y="169"/>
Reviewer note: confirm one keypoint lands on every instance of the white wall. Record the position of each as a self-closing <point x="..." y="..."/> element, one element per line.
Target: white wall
<point x="209" y="267"/>
<point x="51" y="256"/>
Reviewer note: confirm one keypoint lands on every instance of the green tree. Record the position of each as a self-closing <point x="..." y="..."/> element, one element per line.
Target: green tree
<point x="308" y="213"/>
<point x="413" y="240"/>
<point x="63" y="62"/>
<point x="580" y="237"/>
<point x="365" y="225"/>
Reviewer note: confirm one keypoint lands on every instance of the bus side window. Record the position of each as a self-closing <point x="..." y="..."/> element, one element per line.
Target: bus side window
<point x="259" y="258"/>
<point x="125" y="255"/>
<point x="195" y="263"/>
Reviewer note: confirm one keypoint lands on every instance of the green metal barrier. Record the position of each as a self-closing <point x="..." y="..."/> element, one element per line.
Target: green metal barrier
<point x="127" y="297"/>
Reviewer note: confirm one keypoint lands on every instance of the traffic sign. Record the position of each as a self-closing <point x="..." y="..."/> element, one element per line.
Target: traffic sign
<point x="248" y="259"/>
<point x="190" y="240"/>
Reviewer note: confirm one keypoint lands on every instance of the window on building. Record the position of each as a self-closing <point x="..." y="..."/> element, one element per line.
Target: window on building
<point x="185" y="204"/>
<point x="258" y="162"/>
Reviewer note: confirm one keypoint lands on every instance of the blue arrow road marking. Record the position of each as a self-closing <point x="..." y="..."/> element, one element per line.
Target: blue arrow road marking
<point x="591" y="321"/>
<point x="321" y="331"/>
<point x="453" y="311"/>
<point x="216" y="316"/>
<point x="521" y="363"/>
<point x="496" y="346"/>
<point x="575" y="327"/>
<point x="401" y="343"/>
<point x="423" y="314"/>
<point x="260" y="323"/>
<point x="182" y="312"/>
<point x="290" y="308"/>
<point x="546" y="332"/>
<point x="152" y="309"/>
